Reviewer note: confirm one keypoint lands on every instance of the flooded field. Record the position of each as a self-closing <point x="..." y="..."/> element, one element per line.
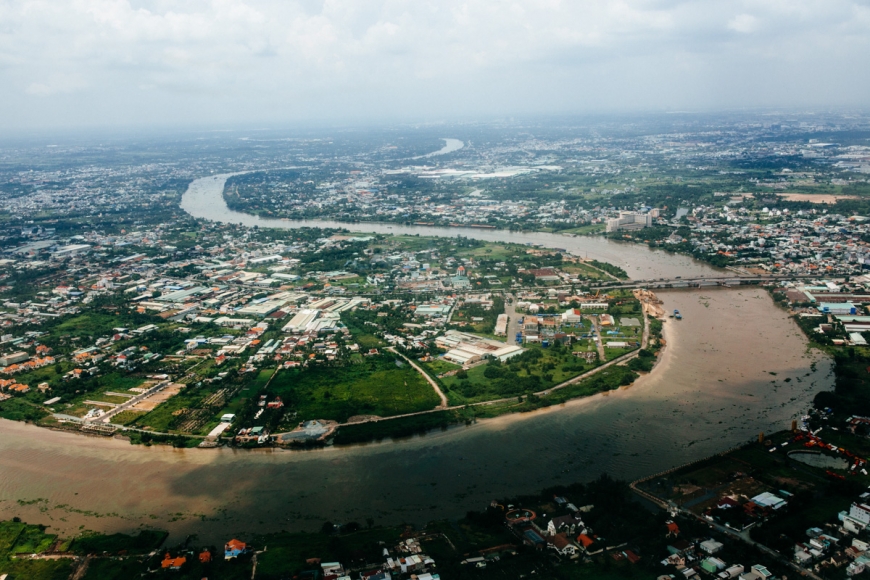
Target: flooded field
<point x="735" y="365"/>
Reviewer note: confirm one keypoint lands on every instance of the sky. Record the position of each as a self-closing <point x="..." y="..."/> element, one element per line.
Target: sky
<point x="108" y="63"/>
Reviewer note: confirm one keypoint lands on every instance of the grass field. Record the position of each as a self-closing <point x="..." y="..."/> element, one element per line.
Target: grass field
<point x="161" y="419"/>
<point x="288" y="552"/>
<point x="535" y="370"/>
<point x="20" y="409"/>
<point x="20" y="538"/>
<point x="587" y="230"/>
<point x="376" y="386"/>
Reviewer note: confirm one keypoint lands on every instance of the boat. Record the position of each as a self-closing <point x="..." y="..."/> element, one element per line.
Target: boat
<point x="677" y="314"/>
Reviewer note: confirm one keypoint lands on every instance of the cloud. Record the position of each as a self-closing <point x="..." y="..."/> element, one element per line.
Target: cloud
<point x="56" y="85"/>
<point x="259" y="60"/>
<point x="744" y="23"/>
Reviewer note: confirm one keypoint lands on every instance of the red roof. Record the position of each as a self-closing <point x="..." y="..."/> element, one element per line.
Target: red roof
<point x="585" y="540"/>
<point x="235" y="544"/>
<point x="172" y="562"/>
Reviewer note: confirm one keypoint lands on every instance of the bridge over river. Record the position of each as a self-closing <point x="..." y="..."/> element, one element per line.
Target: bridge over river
<point x="704" y="281"/>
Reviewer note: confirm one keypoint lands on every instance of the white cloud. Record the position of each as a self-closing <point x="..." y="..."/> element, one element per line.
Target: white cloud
<point x="243" y="60"/>
<point x="744" y="23"/>
<point x="58" y="84"/>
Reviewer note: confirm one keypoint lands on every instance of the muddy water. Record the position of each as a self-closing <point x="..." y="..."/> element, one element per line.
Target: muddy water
<point x="204" y="199"/>
<point x="721" y="380"/>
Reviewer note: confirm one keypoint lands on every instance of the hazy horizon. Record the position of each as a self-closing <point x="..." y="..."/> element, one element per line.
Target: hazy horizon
<point x="228" y="63"/>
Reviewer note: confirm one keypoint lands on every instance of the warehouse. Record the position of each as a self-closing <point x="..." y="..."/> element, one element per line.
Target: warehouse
<point x="464" y="348"/>
<point x="300" y="322"/>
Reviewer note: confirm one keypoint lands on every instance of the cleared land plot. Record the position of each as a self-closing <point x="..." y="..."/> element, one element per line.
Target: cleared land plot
<point x="157" y="398"/>
<point x="377" y="386"/>
<point x="826" y="198"/>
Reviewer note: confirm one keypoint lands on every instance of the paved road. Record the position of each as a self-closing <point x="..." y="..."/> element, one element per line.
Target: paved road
<point x="126" y="405"/>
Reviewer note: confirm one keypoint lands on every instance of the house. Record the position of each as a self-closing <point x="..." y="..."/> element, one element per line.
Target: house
<point x="679" y="547"/>
<point x="756" y="572"/>
<point x="170" y="563"/>
<point x="568" y="523"/>
<point x="839" y="560"/>
<point x="234" y="548"/>
<point x="673" y="529"/>
<point x="713" y="565"/>
<point x="205" y="557"/>
<point x="710" y="546"/>
<point x="727" y="502"/>
<point x="768" y="500"/>
<point x="332" y="569"/>
<point x="585" y="540"/>
<point x="562" y="545"/>
<point x="855" y="568"/>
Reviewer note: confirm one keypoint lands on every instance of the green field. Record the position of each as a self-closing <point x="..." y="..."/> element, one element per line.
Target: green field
<point x="535" y="370"/>
<point x="376" y="386"/>
<point x="288" y="552"/>
<point x="17" y="538"/>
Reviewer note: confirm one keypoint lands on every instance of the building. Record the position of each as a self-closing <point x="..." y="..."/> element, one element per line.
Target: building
<point x="501" y="325"/>
<point x="13" y="358"/>
<point x="711" y="546"/>
<point x="234" y="548"/>
<point x="860" y="512"/>
<point x="628" y="220"/>
<point x="432" y="310"/>
<point x="464" y="348"/>
<point x="837" y="308"/>
<point x="301" y="321"/>
<point x="170" y="563"/>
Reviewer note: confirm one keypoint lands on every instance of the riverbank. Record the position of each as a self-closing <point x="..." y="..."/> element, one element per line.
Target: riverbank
<point x="204" y="199"/>
<point x="678" y="413"/>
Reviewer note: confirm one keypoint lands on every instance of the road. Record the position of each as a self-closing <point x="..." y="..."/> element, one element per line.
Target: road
<point x="431" y="381"/>
<point x="740" y="536"/>
<point x="622" y="359"/>
<point x="598" y="341"/>
<point x="104" y="418"/>
<point x="513" y="318"/>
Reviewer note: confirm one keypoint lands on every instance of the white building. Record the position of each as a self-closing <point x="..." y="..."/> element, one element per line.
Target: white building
<point x="860" y="512"/>
<point x="629" y="220"/>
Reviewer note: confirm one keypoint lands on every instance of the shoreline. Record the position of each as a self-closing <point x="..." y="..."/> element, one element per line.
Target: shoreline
<point x="661" y="360"/>
<point x="109" y="488"/>
<point x="201" y="200"/>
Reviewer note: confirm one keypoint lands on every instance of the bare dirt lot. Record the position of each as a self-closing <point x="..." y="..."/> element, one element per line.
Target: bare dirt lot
<point x="816" y="197"/>
<point x="163" y="395"/>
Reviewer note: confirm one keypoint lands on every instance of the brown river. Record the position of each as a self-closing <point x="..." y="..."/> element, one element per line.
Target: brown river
<point x="713" y="387"/>
<point x="735" y="365"/>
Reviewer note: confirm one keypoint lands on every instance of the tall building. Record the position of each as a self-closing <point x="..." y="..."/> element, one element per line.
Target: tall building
<point x="629" y="220"/>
